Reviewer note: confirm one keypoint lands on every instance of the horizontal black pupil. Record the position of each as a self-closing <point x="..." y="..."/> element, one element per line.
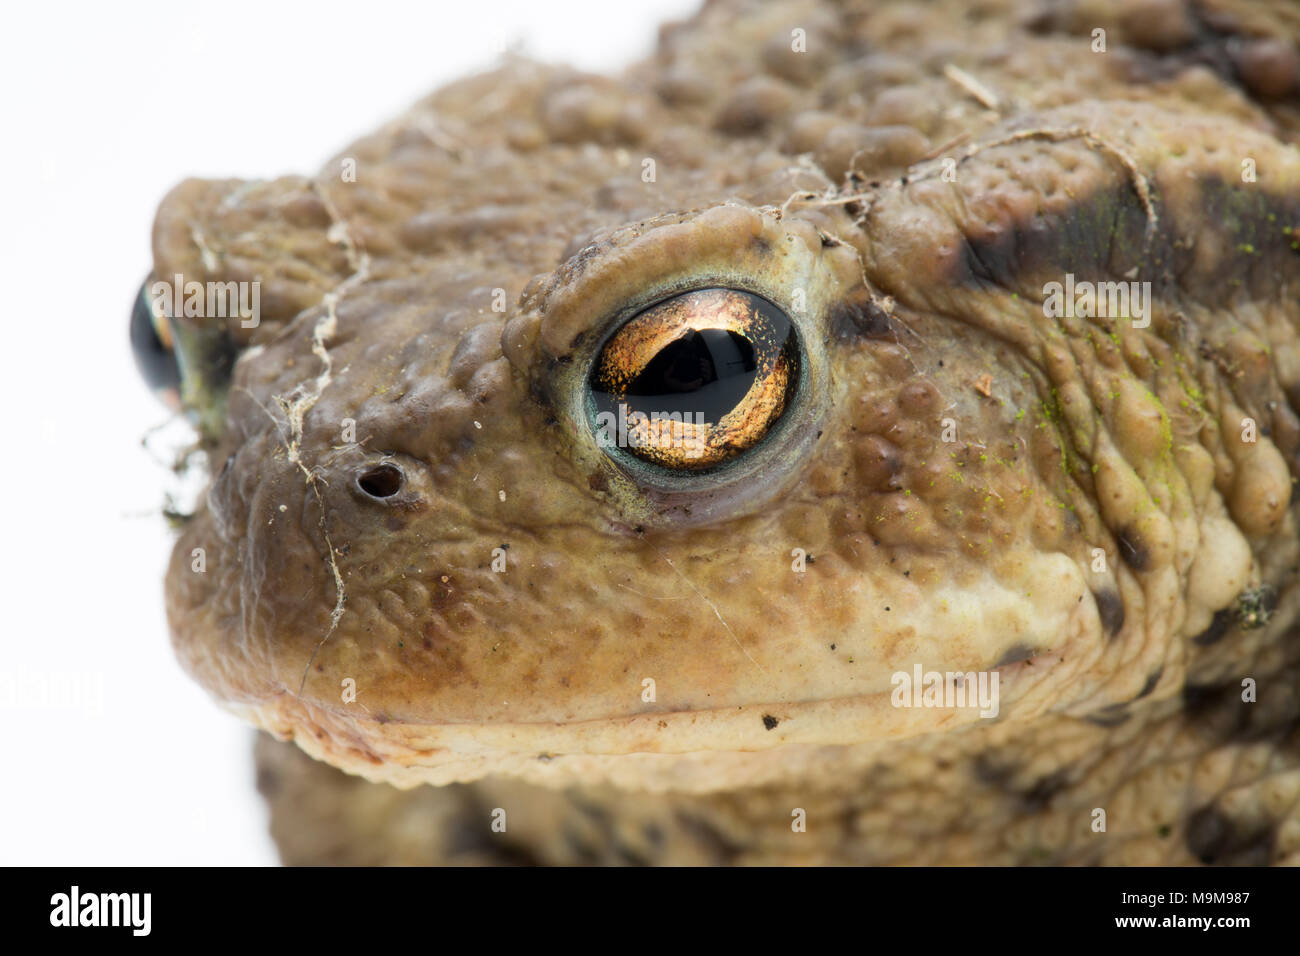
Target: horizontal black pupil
<point x="705" y="372"/>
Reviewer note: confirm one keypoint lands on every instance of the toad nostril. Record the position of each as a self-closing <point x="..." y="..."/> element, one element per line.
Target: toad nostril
<point x="382" y="481"/>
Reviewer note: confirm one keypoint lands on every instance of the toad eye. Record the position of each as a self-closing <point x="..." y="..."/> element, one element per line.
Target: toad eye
<point x="695" y="380"/>
<point x="154" y="349"/>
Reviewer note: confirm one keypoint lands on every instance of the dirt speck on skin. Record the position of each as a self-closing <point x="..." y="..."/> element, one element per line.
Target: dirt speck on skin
<point x="1255" y="607"/>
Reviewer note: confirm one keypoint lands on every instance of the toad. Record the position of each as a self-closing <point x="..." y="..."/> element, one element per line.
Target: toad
<point x="863" y="432"/>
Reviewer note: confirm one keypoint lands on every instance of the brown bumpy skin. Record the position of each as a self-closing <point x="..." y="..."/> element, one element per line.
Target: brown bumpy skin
<point x="421" y="569"/>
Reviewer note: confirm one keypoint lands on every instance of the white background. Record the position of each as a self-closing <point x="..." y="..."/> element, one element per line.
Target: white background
<point x="105" y="107"/>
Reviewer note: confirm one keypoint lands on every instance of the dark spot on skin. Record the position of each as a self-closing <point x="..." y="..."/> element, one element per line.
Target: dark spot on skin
<point x="993" y="771"/>
<point x="1289" y="738"/>
<point x="1219" y="625"/>
<point x="1152" y="679"/>
<point x="470" y="833"/>
<point x="584" y="853"/>
<point x="1041" y="793"/>
<point x="654" y="835"/>
<point x="1015" y="654"/>
<point x="1090" y="236"/>
<point x="597" y="815"/>
<point x="1102" y="236"/>
<point x="717" y="844"/>
<point x="1215" y="838"/>
<point x="769" y="721"/>
<point x="1111" y="716"/>
<point x="1217" y="711"/>
<point x="1198" y="699"/>
<point x="1110" y="608"/>
<point x="1134" y="550"/>
<point x="467" y="838"/>
<point x="630" y="857"/>
<point x="859" y="318"/>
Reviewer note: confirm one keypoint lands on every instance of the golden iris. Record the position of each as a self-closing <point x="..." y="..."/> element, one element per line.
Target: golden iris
<point x="696" y="379"/>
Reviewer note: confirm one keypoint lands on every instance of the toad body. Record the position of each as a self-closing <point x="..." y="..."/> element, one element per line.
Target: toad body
<point x="861" y="433"/>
